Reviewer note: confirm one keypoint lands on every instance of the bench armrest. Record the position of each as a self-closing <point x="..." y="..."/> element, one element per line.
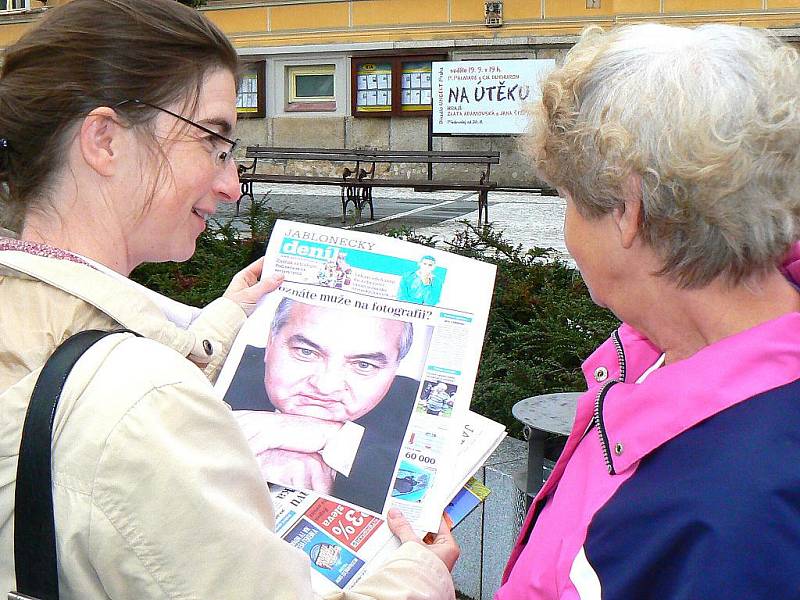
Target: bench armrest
<point x="242" y="168"/>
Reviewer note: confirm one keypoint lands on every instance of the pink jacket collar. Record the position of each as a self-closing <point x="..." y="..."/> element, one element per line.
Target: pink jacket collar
<point x="683" y="394"/>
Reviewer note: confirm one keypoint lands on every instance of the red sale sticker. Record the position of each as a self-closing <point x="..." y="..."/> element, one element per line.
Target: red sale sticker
<point x="346" y="524"/>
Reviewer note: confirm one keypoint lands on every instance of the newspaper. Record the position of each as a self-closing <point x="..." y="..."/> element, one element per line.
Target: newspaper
<point x="353" y="379"/>
<point x="345" y="543"/>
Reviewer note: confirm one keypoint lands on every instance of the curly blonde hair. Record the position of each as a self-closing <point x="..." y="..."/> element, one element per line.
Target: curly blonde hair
<point x="708" y="118"/>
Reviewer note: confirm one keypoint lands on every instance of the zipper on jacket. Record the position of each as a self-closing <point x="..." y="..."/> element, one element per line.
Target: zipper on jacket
<point x="620" y="355"/>
<point x="598" y="421"/>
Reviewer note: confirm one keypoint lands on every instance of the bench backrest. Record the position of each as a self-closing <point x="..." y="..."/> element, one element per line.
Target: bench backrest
<point x="373" y="155"/>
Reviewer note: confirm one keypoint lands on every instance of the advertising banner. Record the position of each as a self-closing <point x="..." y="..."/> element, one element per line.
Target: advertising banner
<point x="485" y="96"/>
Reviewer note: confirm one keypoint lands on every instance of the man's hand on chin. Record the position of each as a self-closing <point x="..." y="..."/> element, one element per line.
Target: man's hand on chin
<point x="300" y="470"/>
<point x="267" y="430"/>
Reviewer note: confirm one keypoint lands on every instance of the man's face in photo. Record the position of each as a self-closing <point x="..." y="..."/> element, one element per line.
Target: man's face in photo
<point x="426" y="266"/>
<point x="331" y="364"/>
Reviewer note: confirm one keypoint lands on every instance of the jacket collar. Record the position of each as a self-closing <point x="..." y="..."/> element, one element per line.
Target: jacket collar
<point x="681" y="395"/>
<point x="123" y="303"/>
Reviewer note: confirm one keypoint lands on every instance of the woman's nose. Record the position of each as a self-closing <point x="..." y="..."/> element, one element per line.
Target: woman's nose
<point x="226" y="184"/>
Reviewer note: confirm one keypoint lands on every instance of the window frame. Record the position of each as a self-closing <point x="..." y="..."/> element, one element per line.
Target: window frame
<point x="302" y="70"/>
<point x="396" y="61"/>
<point x="295" y="103"/>
<point x="261" y="90"/>
<point x="26" y="5"/>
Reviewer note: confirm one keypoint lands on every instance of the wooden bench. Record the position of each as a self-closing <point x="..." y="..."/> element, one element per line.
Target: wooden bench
<point x="358" y="179"/>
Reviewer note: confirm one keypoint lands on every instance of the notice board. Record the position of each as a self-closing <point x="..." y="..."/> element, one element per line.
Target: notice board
<point x="485" y="96"/>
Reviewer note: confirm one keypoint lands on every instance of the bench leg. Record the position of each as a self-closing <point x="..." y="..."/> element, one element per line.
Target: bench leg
<point x="247" y="190"/>
<point x="350" y="194"/>
<point x="366" y="200"/>
<point x="483" y="206"/>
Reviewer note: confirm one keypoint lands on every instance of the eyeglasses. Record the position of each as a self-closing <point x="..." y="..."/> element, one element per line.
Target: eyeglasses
<point x="222" y="158"/>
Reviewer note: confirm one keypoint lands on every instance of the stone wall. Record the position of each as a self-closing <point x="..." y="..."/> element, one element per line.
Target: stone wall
<point x="409" y="133"/>
<point x="338" y="129"/>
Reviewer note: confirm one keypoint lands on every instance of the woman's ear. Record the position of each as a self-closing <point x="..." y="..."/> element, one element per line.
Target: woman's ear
<point x="99" y="140"/>
<point x="628" y="217"/>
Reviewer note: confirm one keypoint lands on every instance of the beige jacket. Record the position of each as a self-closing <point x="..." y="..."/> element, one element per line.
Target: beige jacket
<point x="156" y="492"/>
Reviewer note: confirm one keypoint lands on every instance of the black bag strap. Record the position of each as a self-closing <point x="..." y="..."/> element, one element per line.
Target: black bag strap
<point x="34" y="522"/>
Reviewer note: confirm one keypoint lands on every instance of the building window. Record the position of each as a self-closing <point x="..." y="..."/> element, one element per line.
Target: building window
<point x="9" y="5"/>
<point x="251" y="100"/>
<point x="396" y="85"/>
<point x="311" y="88"/>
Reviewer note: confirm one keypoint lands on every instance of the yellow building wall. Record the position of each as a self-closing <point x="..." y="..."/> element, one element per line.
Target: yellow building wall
<point x="522" y="9"/>
<point x="323" y="22"/>
<point x="238" y="20"/>
<point x="309" y="16"/>
<point x="12" y="32"/>
<point x="559" y="9"/>
<point x="466" y="11"/>
<point x="398" y="12"/>
<point x="636" y="6"/>
<point x="689" y="6"/>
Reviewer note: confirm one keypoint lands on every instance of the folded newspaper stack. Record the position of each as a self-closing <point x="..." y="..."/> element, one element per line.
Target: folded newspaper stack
<point x="361" y="541"/>
<point x="352" y="383"/>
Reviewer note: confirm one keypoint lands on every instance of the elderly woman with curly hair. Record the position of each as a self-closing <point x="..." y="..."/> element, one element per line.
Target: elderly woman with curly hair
<point x="677" y="152"/>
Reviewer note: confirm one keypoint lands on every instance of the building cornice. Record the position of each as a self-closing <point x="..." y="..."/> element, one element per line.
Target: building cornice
<point x="541" y="32"/>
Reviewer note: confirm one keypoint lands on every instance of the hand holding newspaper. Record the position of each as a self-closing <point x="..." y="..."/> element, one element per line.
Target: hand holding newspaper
<point x="352" y="381"/>
<point x="361" y="541"/>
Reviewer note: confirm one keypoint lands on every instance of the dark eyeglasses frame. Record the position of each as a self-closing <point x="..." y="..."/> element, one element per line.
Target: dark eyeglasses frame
<point x="234" y="143"/>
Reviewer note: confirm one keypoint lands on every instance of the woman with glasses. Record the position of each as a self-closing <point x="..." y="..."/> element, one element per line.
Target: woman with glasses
<point x="116" y="119"/>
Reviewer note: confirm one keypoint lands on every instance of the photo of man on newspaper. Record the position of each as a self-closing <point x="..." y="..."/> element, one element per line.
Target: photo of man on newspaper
<point x="423" y="285"/>
<point x="323" y="405"/>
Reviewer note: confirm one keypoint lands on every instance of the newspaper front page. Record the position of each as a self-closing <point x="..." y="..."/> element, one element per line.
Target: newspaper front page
<point x="353" y="379"/>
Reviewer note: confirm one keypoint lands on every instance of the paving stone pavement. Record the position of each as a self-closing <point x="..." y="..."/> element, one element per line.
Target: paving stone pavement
<point x="524" y="218"/>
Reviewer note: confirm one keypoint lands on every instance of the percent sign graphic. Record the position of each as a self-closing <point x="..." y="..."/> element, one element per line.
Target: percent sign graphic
<point x="343" y="530"/>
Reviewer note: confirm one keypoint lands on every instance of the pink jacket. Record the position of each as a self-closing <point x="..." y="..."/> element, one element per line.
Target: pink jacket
<point x="661" y="489"/>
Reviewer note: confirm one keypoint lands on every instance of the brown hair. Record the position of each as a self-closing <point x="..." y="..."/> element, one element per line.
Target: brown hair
<point x="90" y="53"/>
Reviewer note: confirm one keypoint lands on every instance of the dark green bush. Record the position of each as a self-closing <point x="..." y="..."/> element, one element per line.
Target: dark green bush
<point x="541" y="326"/>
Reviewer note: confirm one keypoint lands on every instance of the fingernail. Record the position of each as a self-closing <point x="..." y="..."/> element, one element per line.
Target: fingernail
<point x="394" y="513"/>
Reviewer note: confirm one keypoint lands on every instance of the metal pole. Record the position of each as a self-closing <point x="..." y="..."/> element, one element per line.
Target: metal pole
<point x="430" y="145"/>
